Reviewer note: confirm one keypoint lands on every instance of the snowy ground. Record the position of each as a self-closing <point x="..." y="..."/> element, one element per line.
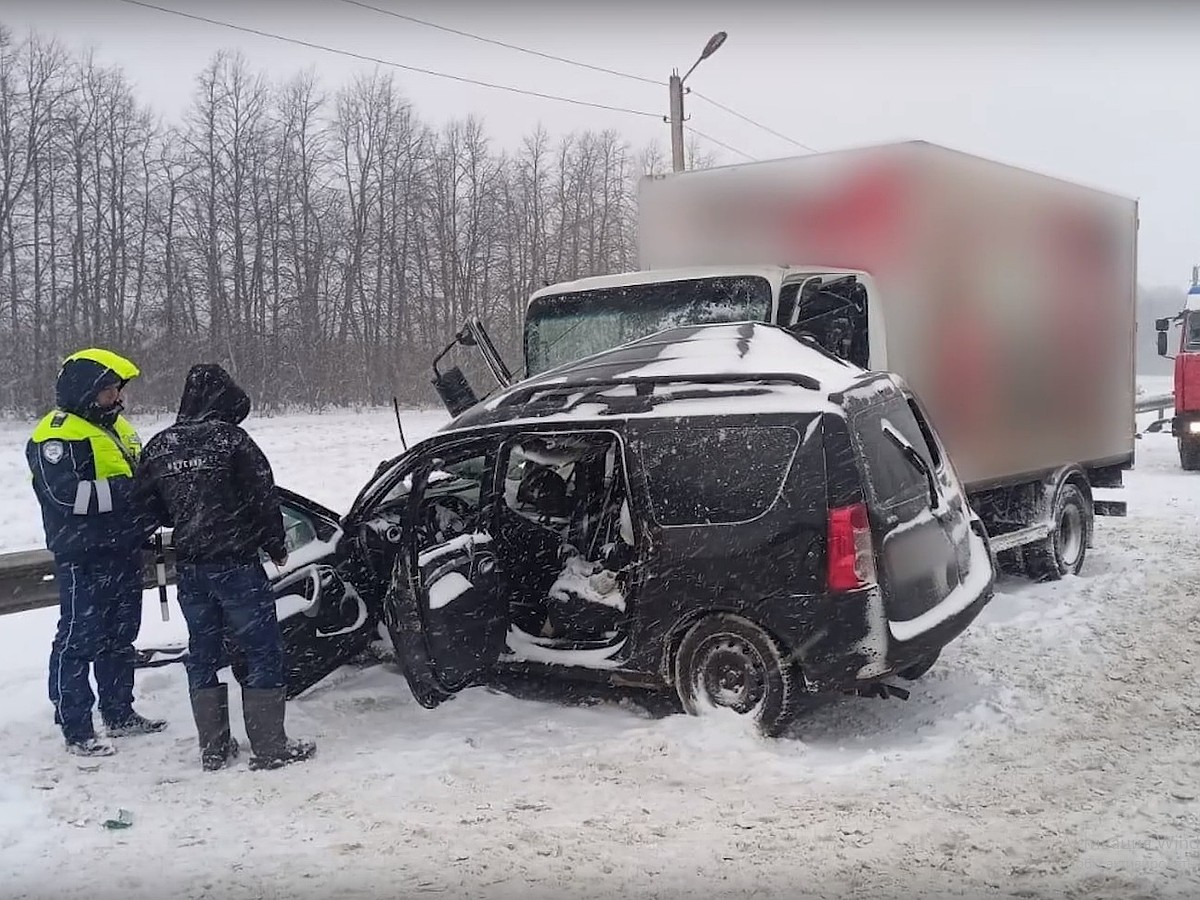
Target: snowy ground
<point x="1052" y="752"/>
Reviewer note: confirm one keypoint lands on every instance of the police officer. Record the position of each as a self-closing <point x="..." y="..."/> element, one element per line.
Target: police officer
<point x="207" y="478"/>
<point x="82" y="457"/>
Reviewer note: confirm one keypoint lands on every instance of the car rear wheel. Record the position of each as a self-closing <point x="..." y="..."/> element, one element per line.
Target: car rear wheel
<point x="728" y="662"/>
<point x="1063" y="552"/>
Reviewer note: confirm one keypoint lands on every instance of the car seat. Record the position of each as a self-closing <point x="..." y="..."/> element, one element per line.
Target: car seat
<point x="545" y="491"/>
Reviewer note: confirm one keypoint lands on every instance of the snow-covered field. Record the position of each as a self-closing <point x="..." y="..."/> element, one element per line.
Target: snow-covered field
<point x="1052" y="752"/>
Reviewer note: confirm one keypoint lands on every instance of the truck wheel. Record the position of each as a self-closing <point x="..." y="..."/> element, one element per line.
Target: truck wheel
<point x="1189" y="455"/>
<point x="728" y="662"/>
<point x="1063" y="552"/>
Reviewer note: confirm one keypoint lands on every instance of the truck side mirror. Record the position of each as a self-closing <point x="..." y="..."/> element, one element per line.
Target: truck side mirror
<point x="1162" y="324"/>
<point x="455" y="391"/>
<point x="1162" y="343"/>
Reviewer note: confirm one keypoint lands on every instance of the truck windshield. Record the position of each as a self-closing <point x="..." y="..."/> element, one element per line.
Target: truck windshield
<point x="1191" y="334"/>
<point x="560" y="328"/>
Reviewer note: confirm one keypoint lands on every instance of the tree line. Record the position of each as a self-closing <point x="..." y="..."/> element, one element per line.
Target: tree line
<point x="321" y="243"/>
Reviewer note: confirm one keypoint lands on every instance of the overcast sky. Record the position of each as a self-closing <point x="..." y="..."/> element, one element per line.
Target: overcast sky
<point x="1101" y="93"/>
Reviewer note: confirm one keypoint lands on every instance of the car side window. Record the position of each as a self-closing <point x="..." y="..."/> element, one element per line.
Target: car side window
<point x="298" y="529"/>
<point x="890" y="474"/>
<point x="716" y="476"/>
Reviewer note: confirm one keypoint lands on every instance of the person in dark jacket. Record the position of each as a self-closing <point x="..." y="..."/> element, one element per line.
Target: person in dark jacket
<point x="82" y="457"/>
<point x="206" y="478"/>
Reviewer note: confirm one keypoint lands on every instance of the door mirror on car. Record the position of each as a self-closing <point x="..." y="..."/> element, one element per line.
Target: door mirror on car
<point x="1162" y="343"/>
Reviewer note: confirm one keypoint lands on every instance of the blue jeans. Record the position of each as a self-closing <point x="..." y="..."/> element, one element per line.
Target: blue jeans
<point x="100" y="614"/>
<point x="220" y="597"/>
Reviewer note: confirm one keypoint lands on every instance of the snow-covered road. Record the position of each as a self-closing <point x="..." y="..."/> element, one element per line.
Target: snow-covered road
<point x="1052" y="752"/>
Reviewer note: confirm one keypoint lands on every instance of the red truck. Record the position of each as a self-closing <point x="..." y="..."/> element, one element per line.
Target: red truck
<point x="1185" y="425"/>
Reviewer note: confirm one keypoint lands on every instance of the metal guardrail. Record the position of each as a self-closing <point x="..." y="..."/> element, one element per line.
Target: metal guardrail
<point x="1155" y="403"/>
<point x="27" y="579"/>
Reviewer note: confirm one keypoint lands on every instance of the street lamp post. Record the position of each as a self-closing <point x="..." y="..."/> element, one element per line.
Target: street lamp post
<point x="676" y="88"/>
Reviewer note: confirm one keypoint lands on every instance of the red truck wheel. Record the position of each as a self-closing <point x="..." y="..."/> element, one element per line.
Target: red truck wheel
<point x="1189" y="454"/>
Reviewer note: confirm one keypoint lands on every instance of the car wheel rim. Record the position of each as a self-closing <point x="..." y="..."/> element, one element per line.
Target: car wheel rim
<point x="1070" y="536"/>
<point x="731" y="674"/>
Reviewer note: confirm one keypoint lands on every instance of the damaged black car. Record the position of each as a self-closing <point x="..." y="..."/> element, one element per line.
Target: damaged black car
<point x="727" y="512"/>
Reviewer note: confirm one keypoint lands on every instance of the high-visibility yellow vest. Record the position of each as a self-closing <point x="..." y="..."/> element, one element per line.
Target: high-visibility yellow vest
<point x="114" y="452"/>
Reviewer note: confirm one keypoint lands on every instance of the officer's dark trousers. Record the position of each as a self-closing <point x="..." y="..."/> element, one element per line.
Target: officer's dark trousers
<point x="100" y="613"/>
<point x="217" y="598"/>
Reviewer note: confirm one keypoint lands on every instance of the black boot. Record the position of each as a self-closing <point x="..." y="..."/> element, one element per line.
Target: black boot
<point x="210" y="708"/>
<point x="263" y="709"/>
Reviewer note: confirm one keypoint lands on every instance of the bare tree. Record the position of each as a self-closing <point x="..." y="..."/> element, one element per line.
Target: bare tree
<point x="322" y="247"/>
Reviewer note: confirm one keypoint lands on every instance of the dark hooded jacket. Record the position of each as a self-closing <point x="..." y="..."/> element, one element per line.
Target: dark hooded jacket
<point x="206" y="478"/>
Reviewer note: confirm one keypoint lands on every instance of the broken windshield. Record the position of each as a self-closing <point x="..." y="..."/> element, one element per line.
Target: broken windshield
<point x="560" y="328"/>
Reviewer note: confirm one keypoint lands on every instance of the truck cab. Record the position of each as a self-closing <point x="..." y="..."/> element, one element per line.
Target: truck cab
<point x="1185" y="426"/>
<point x="569" y="321"/>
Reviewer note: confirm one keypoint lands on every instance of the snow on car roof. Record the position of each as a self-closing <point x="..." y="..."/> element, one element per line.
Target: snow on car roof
<point x="733" y="349"/>
<point x="745" y="367"/>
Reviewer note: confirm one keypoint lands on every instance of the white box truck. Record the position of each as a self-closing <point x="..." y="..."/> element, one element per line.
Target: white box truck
<point x="1005" y="298"/>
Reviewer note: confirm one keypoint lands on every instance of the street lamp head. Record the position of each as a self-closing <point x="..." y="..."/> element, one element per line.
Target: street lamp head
<point x="713" y="45"/>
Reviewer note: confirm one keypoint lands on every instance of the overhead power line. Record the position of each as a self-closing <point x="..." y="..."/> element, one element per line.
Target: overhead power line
<point x="713" y="140"/>
<point x="505" y="44"/>
<point x="734" y="112"/>
<point x="571" y="62"/>
<point x="387" y="62"/>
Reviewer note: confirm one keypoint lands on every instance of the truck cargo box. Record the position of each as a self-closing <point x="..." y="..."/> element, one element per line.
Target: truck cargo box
<point x="1005" y="298"/>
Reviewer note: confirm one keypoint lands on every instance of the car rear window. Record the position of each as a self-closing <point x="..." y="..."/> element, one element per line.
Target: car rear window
<point x="891" y="477"/>
<point x="716" y="476"/>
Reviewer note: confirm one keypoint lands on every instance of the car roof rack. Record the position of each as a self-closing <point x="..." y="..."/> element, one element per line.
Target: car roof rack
<point x="645" y="384"/>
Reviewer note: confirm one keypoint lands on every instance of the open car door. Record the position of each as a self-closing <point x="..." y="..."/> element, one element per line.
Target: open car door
<point x="444" y="610"/>
<point x="325" y="620"/>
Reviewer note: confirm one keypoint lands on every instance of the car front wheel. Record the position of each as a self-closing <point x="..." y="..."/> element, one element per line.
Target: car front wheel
<point x="728" y="662"/>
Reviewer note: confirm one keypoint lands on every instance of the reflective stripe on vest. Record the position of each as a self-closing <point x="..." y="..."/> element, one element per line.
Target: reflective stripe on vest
<point x="114" y="452"/>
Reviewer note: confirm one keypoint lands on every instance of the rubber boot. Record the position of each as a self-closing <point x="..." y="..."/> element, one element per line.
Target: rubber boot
<point x="270" y="746"/>
<point x="210" y="708"/>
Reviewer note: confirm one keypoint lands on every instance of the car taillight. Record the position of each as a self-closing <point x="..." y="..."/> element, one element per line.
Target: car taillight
<point x="850" y="551"/>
